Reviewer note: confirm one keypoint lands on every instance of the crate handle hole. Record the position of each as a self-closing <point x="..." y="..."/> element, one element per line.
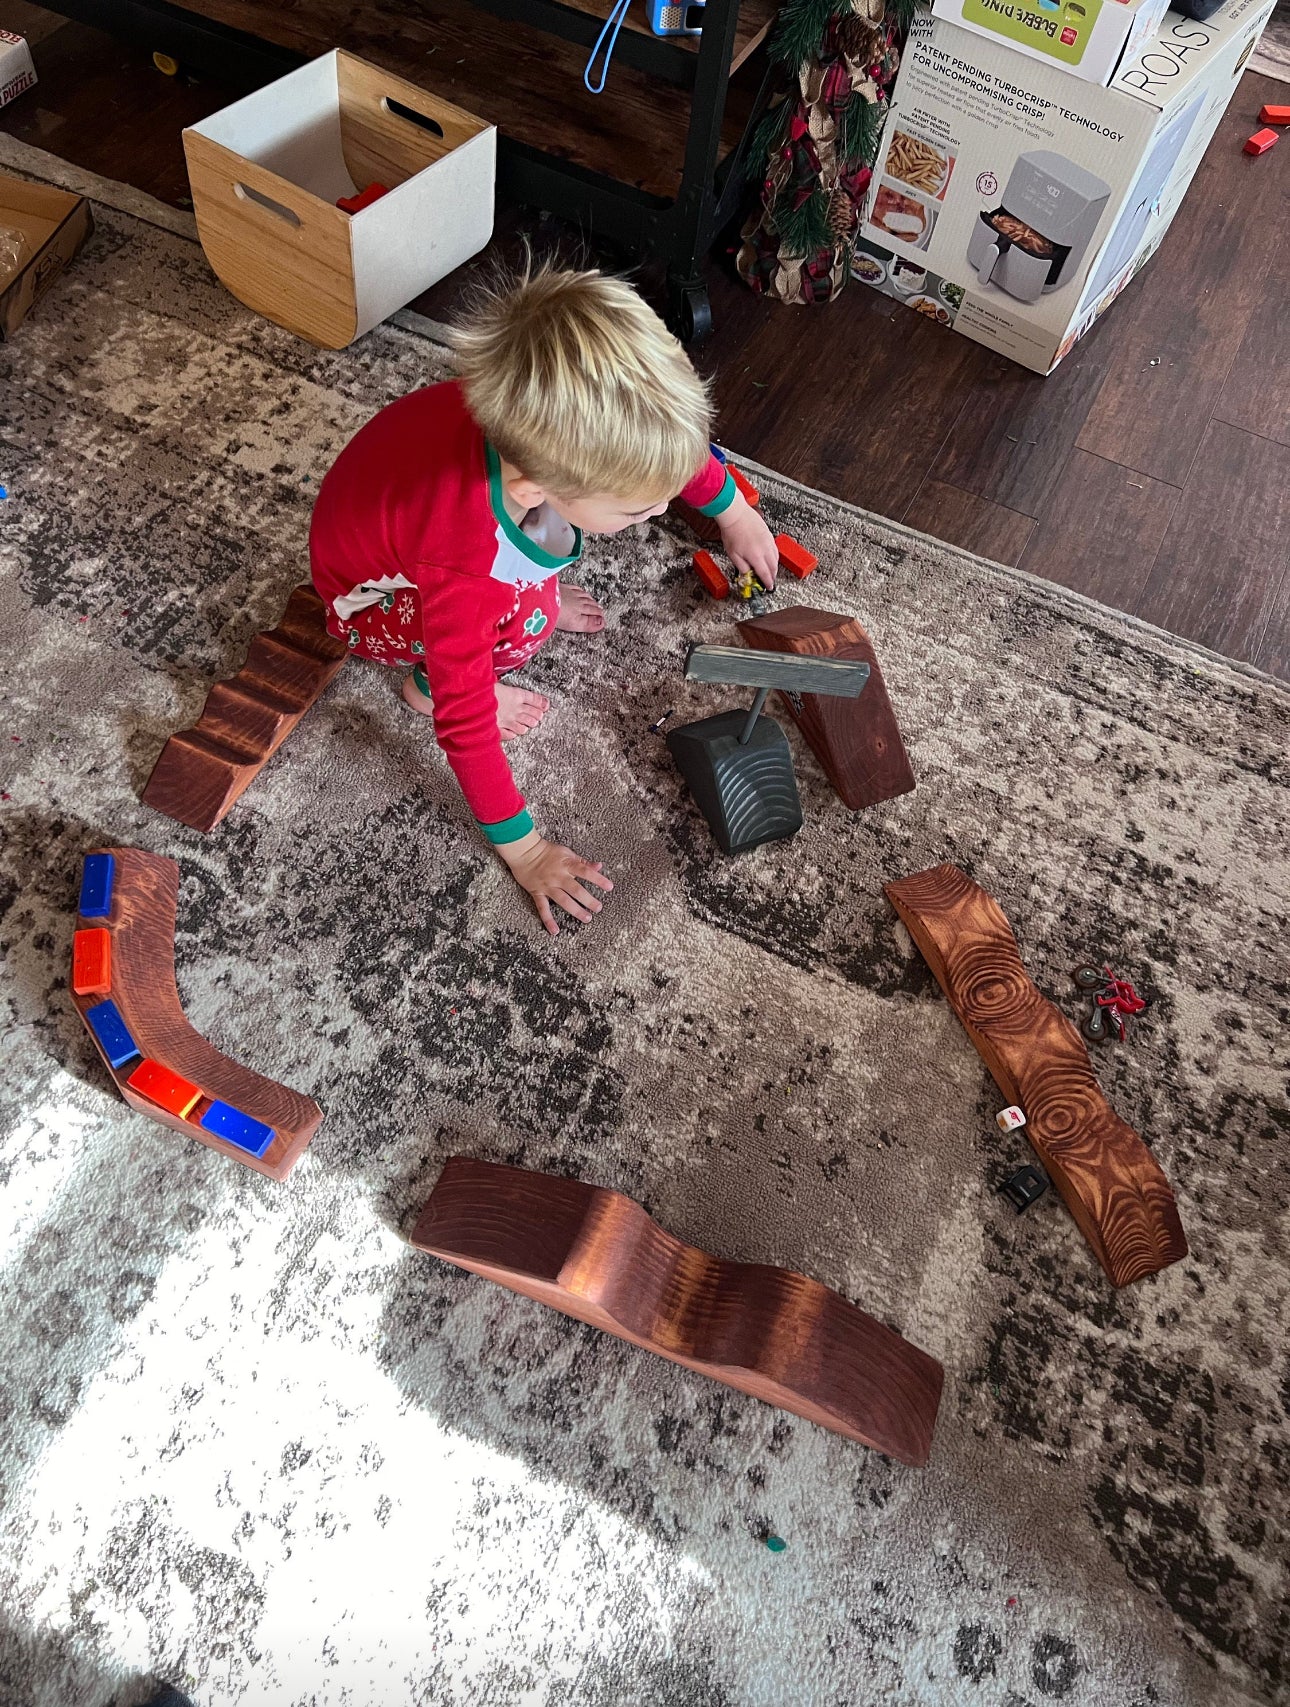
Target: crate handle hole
<point x="411" y="115"/>
<point x="267" y="203"/>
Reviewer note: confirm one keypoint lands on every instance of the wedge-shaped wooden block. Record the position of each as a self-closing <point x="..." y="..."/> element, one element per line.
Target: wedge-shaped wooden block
<point x="1110" y="1181"/>
<point x="203" y="770"/>
<point x="596" y="1255"/>
<point x="856" y="741"/>
<point x="146" y="1020"/>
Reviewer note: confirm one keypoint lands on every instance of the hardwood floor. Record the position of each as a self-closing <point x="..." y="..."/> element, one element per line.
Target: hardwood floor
<point x="1151" y="471"/>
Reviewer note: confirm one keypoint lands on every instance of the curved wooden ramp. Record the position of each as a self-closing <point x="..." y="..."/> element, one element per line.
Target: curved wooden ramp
<point x="1112" y="1184"/>
<point x="201" y="771"/>
<point x="596" y="1255"/>
<point x="123" y="984"/>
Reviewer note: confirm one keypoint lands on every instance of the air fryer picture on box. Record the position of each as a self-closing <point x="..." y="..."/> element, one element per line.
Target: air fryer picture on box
<point x="1030" y="200"/>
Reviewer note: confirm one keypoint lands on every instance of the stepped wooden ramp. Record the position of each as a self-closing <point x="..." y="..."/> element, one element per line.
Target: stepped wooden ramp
<point x="203" y="770"/>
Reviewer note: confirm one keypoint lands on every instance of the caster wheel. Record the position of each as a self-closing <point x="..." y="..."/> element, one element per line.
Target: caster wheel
<point x="691" y="314"/>
<point x="166" y="63"/>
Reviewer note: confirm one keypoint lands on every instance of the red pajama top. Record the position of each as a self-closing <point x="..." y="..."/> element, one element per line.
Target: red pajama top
<point x="415" y="501"/>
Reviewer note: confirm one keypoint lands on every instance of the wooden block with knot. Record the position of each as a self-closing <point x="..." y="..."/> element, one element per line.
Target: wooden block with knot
<point x="857" y="741"/>
<point x="1109" y="1180"/>
<point x="203" y="770"/>
<point x="597" y="1256"/>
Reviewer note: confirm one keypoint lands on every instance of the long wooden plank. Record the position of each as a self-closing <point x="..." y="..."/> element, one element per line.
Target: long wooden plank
<point x="201" y="771"/>
<point x="1111" y="1183"/>
<point x="738" y="667"/>
<point x="597" y="1256"/>
<point x="141" y="923"/>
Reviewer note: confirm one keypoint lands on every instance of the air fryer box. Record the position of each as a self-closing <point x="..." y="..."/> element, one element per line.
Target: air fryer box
<point x="1013" y="202"/>
<point x="1091" y="38"/>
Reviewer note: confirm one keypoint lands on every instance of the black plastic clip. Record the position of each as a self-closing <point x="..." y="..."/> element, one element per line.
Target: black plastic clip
<point x="1025" y="1187"/>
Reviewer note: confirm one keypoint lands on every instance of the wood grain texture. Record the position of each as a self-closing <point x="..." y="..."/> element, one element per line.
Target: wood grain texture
<point x="1228" y="237"/>
<point x="1101" y="529"/>
<point x="961" y="518"/>
<point x="1256" y="393"/>
<point x="857" y="741"/>
<point x="1234" y="517"/>
<point x="597" y="1256"/>
<point x="203" y="770"/>
<point x="1110" y="1181"/>
<point x="145" y="897"/>
<point x="738" y="666"/>
<point x="454" y="49"/>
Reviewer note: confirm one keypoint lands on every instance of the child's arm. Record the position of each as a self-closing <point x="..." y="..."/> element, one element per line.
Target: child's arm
<point x="459" y="617"/>
<point x="746" y="539"/>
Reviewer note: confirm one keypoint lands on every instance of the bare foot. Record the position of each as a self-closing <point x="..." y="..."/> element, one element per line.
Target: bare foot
<point x="518" y="710"/>
<point x="579" y="612"/>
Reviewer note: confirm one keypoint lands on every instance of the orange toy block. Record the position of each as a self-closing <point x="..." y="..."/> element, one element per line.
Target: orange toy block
<point x="1261" y="141"/>
<point x="168" y="1090"/>
<point x="711" y="574"/>
<point x="745" y="485"/>
<point x="1274" y="115"/>
<point x="92" y="963"/>
<point x="794" y="557"/>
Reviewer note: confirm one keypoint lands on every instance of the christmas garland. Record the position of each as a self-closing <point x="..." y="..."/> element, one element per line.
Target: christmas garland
<point x="815" y="145"/>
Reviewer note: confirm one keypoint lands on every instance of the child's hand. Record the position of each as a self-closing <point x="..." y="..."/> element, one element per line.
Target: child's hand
<point x="552" y="873"/>
<point x="748" y="542"/>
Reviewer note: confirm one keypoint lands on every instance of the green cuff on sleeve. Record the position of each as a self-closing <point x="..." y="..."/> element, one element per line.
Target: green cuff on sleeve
<point x="723" y="500"/>
<point x="510" y="829"/>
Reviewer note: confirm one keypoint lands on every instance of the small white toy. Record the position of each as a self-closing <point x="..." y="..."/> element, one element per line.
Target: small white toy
<point x="1009" y="1119"/>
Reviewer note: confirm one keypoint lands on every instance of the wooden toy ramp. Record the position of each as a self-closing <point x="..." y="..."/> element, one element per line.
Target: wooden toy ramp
<point x="857" y="742"/>
<point x="1112" y="1184"/>
<point x="123" y="984"/>
<point x="596" y="1255"/>
<point x="203" y="770"/>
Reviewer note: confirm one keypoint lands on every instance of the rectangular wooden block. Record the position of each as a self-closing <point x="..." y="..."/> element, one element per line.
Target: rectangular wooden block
<point x="168" y="1090"/>
<point x="96" y="886"/>
<point x="856" y="741"/>
<point x="92" y="962"/>
<point x="711" y="574"/>
<point x="111" y="1033"/>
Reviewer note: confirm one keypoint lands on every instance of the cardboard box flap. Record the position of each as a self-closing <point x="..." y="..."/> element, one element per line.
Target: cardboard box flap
<point x="1182" y="50"/>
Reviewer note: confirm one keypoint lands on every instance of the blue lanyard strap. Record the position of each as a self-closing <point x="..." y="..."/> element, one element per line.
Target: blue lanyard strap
<point x="613" y="23"/>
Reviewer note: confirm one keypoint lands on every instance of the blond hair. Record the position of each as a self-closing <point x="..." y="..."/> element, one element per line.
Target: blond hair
<point x="578" y="383"/>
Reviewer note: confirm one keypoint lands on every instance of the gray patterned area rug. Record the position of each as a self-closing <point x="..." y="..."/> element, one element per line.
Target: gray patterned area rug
<point x="256" y="1445"/>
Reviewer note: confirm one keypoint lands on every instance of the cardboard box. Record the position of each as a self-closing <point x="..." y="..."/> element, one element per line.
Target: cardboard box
<point x="1013" y="202"/>
<point x="55" y="226"/>
<point x="17" y="72"/>
<point x="1091" y="38"/>
<point x="267" y="172"/>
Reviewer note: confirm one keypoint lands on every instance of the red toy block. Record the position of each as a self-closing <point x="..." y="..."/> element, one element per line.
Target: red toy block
<point x="711" y="574"/>
<point x="364" y="198"/>
<point x="1261" y="141"/>
<point x="794" y="557"/>
<point x="745" y="485"/>
<point x="1274" y="115"/>
<point x="92" y="963"/>
<point x="168" y="1090"/>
